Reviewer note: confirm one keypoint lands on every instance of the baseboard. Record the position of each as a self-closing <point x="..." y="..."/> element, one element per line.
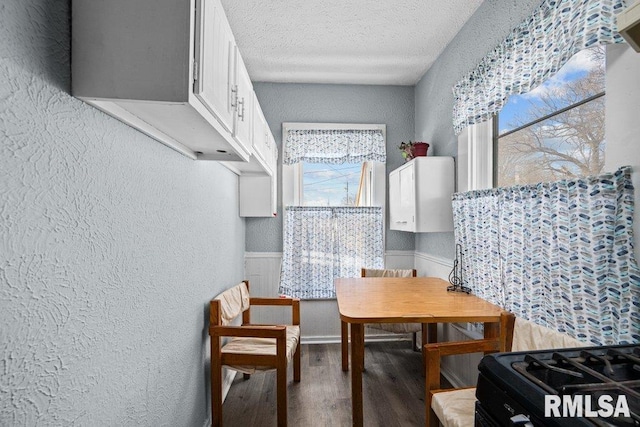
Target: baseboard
<point x="226" y="383"/>
<point x="229" y="376"/>
<point x="453" y="379"/>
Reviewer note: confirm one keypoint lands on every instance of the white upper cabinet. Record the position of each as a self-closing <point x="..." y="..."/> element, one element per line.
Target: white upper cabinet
<point x="264" y="146"/>
<point x="244" y="98"/>
<point x="169" y="68"/>
<point x="420" y="195"/>
<point x="259" y="191"/>
<point x="216" y="53"/>
<point x="402" y="203"/>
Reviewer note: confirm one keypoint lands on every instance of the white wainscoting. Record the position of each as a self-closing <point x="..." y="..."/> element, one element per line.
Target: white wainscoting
<point x="319" y="319"/>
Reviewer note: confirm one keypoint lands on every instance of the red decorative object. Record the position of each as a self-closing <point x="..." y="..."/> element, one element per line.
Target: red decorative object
<point x="420" y="149"/>
<point x="410" y="150"/>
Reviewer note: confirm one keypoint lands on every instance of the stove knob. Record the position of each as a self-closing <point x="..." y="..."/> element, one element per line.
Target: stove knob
<point x="521" y="420"/>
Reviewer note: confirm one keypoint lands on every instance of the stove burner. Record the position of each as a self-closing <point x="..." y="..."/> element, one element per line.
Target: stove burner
<point x="614" y="373"/>
<point x="588" y="373"/>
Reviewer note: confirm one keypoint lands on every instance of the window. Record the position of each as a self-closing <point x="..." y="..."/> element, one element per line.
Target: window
<point x="555" y="131"/>
<point x="331" y="185"/>
<point x="333" y="178"/>
<point x="358" y="181"/>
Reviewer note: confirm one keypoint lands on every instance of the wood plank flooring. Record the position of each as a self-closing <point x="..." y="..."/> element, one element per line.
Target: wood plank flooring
<point x="393" y="390"/>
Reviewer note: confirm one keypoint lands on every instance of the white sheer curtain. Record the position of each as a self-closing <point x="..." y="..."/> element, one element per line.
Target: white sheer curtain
<point x="321" y="244"/>
<point x="324" y="243"/>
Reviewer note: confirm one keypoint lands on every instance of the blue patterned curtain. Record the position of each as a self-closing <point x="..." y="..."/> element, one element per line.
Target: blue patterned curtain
<point x="531" y="53"/>
<point x="559" y="254"/>
<point x="324" y="243"/>
<point x="334" y="146"/>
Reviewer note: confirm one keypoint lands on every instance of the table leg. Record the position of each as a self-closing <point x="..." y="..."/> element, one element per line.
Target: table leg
<point x="357" y="366"/>
<point x="344" y="340"/>
<point x="429" y="336"/>
<point x="491" y="330"/>
<point x="432" y="333"/>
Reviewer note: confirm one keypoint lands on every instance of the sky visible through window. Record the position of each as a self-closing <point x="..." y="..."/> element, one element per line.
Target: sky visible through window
<point x="330" y="185"/>
<point x="569" y="141"/>
<point x="520" y="106"/>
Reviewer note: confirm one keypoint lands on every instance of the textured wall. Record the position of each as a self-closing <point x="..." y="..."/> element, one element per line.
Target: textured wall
<point x="390" y="105"/>
<point x="434" y="97"/>
<point x="111" y="245"/>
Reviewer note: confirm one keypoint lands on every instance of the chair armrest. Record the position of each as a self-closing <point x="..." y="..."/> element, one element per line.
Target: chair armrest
<point x="272" y="301"/>
<point x="278" y="332"/>
<point x="433" y="353"/>
<point x="284" y="301"/>
<point x="462" y="347"/>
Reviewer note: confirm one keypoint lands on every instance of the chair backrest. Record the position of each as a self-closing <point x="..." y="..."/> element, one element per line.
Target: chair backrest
<point x="372" y="272"/>
<point x="529" y="336"/>
<point x="229" y="304"/>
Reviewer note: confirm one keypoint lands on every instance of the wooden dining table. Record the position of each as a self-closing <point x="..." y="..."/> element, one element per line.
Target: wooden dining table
<point x="404" y="300"/>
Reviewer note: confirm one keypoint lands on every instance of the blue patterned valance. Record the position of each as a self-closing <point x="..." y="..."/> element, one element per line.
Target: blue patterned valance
<point x="531" y="53"/>
<point x="321" y="244"/>
<point x="559" y="254"/>
<point x="334" y="146"/>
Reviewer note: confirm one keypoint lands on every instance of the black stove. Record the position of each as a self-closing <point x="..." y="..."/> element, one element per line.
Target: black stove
<point x="582" y="387"/>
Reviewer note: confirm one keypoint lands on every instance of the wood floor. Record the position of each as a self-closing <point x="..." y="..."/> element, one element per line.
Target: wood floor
<point x="393" y="390"/>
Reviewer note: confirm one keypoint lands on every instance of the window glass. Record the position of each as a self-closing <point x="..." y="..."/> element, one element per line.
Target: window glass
<point x="330" y="185"/>
<point x="555" y="131"/>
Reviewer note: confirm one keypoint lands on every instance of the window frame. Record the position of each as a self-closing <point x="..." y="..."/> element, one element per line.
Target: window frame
<point x="496" y="121"/>
<point x="476" y="156"/>
<point x="375" y="187"/>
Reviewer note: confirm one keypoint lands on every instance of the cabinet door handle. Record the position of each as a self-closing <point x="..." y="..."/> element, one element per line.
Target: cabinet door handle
<point x="234" y="96"/>
<point x="241" y="113"/>
<point x="401" y="222"/>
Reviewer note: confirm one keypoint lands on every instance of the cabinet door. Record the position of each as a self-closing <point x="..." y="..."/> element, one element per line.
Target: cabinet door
<point x="259" y="131"/>
<point x="271" y="154"/>
<point x="242" y="129"/>
<point x="394" y="199"/>
<point x="215" y="53"/>
<point x="402" y="199"/>
<point x="408" y="197"/>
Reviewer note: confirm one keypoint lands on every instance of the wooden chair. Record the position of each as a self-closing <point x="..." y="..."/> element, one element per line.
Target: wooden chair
<point x="251" y="347"/>
<point x="396" y="328"/>
<point x="456" y="407"/>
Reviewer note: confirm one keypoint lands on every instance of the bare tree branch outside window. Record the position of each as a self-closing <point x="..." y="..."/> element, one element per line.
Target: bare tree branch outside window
<point x="556" y="131"/>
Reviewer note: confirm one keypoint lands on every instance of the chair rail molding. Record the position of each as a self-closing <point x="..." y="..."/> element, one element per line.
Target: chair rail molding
<point x="432" y="265"/>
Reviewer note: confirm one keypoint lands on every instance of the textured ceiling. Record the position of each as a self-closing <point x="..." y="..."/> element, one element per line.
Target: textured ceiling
<point x="344" y="41"/>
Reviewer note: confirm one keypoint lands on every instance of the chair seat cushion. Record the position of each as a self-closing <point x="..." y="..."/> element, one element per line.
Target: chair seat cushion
<point x="262" y="346"/>
<point x="455" y="408"/>
<point x="397" y="328"/>
<point x="528" y="336"/>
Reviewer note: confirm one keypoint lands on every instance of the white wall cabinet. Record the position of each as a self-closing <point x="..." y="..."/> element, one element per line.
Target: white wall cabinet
<point x="244" y="98"/>
<point x="258" y="192"/>
<point x="171" y="69"/>
<point x="169" y="73"/>
<point x="215" y="65"/>
<point x="420" y="195"/>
